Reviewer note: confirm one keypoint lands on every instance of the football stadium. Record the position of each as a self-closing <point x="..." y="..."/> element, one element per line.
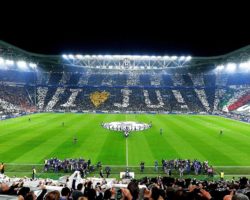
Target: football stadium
<point x="104" y="120"/>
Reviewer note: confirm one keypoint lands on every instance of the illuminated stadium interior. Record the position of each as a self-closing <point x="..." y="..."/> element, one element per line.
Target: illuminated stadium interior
<point x="191" y="116"/>
<point x="149" y="83"/>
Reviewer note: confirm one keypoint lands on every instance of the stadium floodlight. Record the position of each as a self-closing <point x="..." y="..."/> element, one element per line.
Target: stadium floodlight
<point x="219" y="67"/>
<point x="182" y="58"/>
<point x="231" y="67"/>
<point x="87" y="56"/>
<point x="33" y="65"/>
<point x="136" y="57"/>
<point x="166" y="57"/>
<point x="22" y="65"/>
<point x="9" y="62"/>
<point x="188" y="58"/>
<point x="1" y="61"/>
<point x="100" y="56"/>
<point x="70" y="56"/>
<point x="78" y="56"/>
<point x="145" y="57"/>
<point x="173" y="57"/>
<point x="108" y="56"/>
<point x="245" y="65"/>
<point x="65" y="56"/>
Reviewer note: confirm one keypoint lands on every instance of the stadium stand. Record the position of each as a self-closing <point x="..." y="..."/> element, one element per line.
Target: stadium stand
<point x="125" y="84"/>
<point x="179" y="87"/>
<point x="146" y="188"/>
<point x="55" y="94"/>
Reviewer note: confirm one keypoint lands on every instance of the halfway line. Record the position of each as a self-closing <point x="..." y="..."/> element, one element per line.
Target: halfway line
<point x="126" y="152"/>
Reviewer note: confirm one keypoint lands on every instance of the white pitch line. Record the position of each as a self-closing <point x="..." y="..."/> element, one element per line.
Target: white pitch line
<point x="225" y="166"/>
<point x="23" y="164"/>
<point x="237" y="175"/>
<point x="126" y="152"/>
<point x="233" y="166"/>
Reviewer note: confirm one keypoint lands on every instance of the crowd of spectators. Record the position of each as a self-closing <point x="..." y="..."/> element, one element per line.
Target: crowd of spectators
<point x="14" y="99"/>
<point x="157" y="188"/>
<point x="137" y="99"/>
<point x="237" y="116"/>
<point x="147" y="91"/>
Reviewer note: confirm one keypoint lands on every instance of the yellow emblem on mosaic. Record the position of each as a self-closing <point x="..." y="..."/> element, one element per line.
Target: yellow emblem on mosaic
<point x="97" y="98"/>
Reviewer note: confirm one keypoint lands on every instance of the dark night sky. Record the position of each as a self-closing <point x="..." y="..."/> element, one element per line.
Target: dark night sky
<point x="130" y="30"/>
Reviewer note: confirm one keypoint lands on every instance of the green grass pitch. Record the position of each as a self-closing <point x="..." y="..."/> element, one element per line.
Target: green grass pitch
<point x="184" y="136"/>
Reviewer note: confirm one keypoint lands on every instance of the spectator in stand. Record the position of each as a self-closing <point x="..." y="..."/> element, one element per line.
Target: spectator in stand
<point x="65" y="193"/>
<point x="10" y="190"/>
<point x="77" y="193"/>
<point x="92" y="194"/>
<point x="53" y="195"/>
<point x="240" y="197"/>
<point x="82" y="198"/>
<point x="151" y="188"/>
<point x="132" y="191"/>
<point x="23" y="192"/>
<point x="87" y="187"/>
<point x="31" y="196"/>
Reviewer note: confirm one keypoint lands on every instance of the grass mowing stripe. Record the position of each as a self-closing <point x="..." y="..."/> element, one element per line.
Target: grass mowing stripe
<point x="66" y="148"/>
<point x="139" y="149"/>
<point x="59" y="135"/>
<point x="215" y="133"/>
<point x="11" y="132"/>
<point x="113" y="147"/>
<point x="230" y="123"/>
<point x="181" y="142"/>
<point x="161" y="145"/>
<point x="223" y="141"/>
<point x="26" y="145"/>
<point x="233" y="138"/>
<point x="204" y="146"/>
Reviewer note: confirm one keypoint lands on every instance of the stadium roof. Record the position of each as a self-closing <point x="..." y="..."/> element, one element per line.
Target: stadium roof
<point x="10" y="52"/>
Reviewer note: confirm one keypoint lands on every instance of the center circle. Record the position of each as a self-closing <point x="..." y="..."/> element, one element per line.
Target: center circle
<point x="126" y="126"/>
